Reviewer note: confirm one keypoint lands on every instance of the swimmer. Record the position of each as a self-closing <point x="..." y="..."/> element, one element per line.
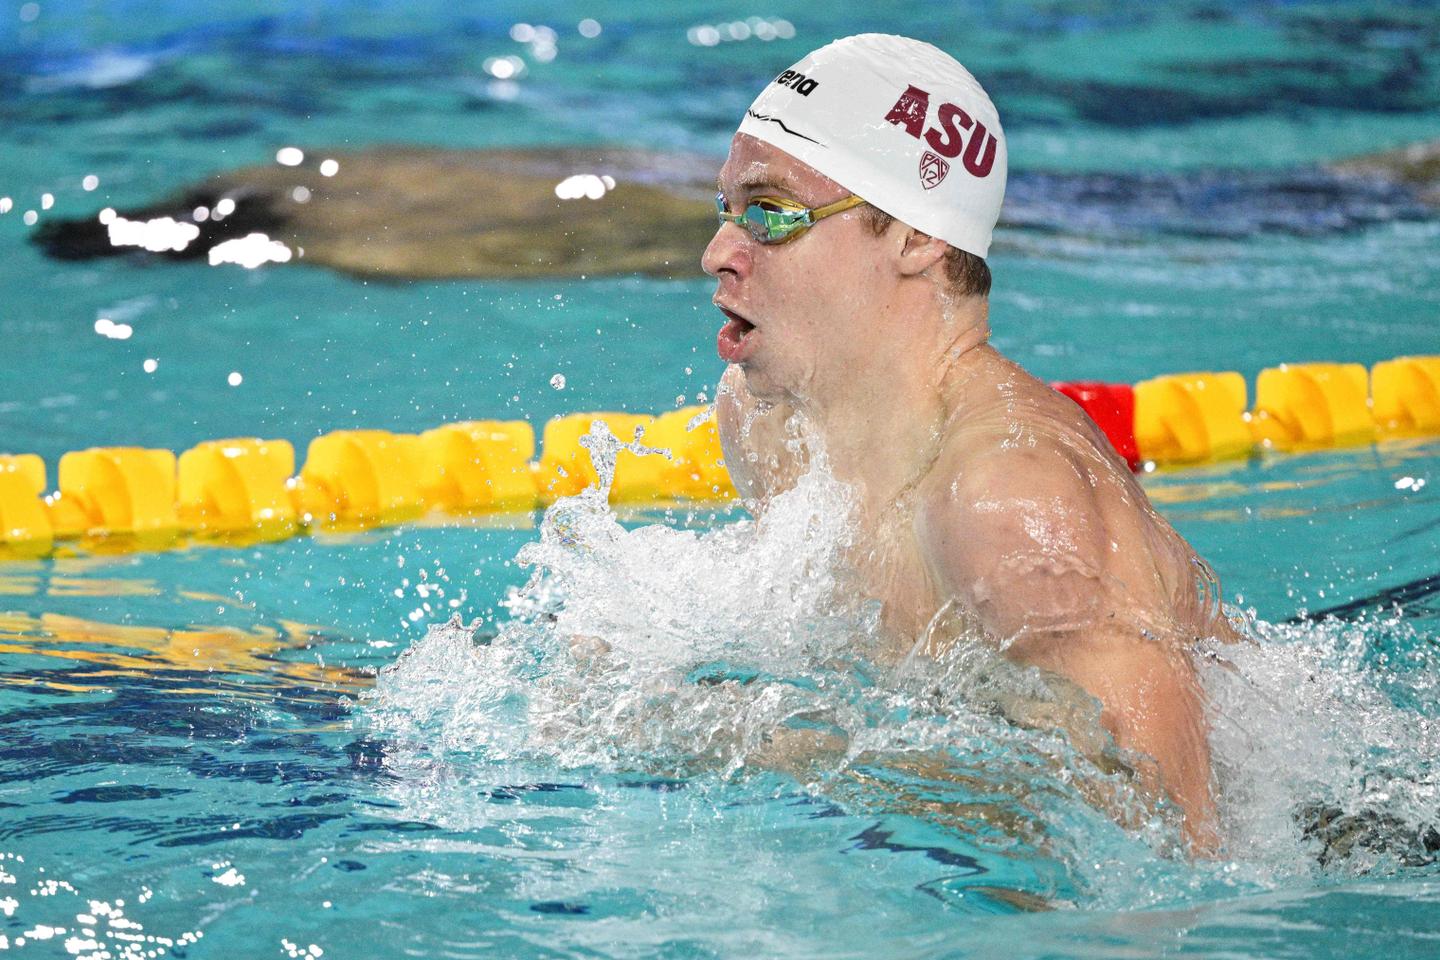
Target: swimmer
<point x="856" y="208"/>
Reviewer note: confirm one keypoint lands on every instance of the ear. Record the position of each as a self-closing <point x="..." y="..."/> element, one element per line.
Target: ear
<point x="919" y="252"/>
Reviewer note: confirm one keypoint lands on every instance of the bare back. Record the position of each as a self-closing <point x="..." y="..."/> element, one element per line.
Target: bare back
<point x="1005" y="453"/>
<point x="1023" y="529"/>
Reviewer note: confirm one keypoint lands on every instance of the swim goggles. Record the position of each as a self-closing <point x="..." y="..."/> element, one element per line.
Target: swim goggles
<point x="771" y="220"/>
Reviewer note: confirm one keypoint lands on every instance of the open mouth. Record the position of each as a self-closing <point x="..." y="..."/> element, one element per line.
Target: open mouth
<point x="733" y="343"/>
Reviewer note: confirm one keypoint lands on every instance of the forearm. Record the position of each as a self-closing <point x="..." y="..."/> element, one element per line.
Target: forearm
<point x="1153" y="707"/>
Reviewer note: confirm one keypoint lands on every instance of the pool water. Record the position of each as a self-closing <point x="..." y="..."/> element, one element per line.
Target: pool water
<point x="229" y="750"/>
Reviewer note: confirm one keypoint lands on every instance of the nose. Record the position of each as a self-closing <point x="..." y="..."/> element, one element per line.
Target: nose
<point x="727" y="252"/>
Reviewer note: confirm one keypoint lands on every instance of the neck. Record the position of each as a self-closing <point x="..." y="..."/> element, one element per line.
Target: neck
<point x="883" y="425"/>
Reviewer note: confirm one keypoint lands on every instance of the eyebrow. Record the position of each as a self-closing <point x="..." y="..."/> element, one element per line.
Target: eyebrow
<point x="754" y="179"/>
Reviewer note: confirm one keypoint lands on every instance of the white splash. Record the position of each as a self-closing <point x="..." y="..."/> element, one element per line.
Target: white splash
<point x="1320" y="761"/>
<point x="230" y="878"/>
<point x="619" y="619"/>
<point x="100" y="71"/>
<point x="745" y="649"/>
<point x="84" y="927"/>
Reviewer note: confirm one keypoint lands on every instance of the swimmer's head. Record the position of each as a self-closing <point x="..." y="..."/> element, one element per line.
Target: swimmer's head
<point x="901" y="124"/>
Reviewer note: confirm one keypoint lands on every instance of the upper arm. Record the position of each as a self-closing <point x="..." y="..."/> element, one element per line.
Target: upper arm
<point x="1151" y="703"/>
<point x="1022" y="542"/>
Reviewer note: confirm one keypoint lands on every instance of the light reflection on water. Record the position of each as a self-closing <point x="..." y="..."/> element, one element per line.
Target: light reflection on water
<point x="99" y="654"/>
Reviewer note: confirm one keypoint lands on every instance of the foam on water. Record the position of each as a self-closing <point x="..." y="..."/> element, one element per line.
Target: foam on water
<point x="1326" y="741"/>
<point x="731" y="654"/>
<point x="620" y="647"/>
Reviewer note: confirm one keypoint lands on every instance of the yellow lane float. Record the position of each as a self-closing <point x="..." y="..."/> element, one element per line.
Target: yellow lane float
<point x="358" y="478"/>
<point x="125" y="490"/>
<point x="696" y="469"/>
<point x="1302" y="406"/>
<point x="1191" y="418"/>
<point x="479" y="465"/>
<point x="23" y="517"/>
<point x="565" y="467"/>
<point x="239" y="485"/>
<point x="1406" y="393"/>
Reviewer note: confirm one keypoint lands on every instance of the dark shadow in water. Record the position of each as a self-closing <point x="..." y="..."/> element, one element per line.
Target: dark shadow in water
<point x="119" y="793"/>
<point x="162" y="723"/>
<point x="1215" y="203"/>
<point x="560" y="908"/>
<point x="874" y="838"/>
<point x="517" y="793"/>
<point x="1207" y="203"/>
<point x="1235" y="88"/>
<point x="1344" y="834"/>
<point x="292" y="827"/>
<point x="1415" y="599"/>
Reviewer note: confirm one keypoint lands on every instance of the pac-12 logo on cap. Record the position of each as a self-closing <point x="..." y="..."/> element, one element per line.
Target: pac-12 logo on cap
<point x="932" y="170"/>
<point x="910" y="112"/>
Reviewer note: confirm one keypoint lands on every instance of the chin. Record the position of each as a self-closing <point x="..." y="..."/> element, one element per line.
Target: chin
<point x="760" y="384"/>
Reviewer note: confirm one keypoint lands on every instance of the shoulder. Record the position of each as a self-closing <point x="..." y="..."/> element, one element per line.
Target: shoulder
<point x="1014" y="531"/>
<point x="989" y="466"/>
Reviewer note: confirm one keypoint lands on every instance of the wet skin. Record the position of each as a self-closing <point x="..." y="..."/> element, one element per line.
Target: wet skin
<point x="991" y="510"/>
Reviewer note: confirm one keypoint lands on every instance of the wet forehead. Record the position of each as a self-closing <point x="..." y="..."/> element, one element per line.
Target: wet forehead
<point x="755" y="167"/>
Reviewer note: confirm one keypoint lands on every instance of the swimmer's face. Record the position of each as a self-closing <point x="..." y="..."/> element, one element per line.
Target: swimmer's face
<point x="796" y="314"/>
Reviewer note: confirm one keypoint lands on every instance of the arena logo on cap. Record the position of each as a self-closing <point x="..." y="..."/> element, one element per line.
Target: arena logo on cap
<point x="798" y="82"/>
<point x="946" y="139"/>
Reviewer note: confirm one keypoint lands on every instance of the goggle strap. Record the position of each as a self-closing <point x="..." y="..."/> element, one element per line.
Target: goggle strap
<point x="838" y="206"/>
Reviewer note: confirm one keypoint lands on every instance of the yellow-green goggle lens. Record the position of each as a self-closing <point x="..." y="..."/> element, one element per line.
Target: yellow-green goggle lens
<point x="771" y="220"/>
<point x="767" y="221"/>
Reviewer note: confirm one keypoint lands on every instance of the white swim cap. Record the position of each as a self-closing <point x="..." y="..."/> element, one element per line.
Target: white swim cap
<point x="899" y="122"/>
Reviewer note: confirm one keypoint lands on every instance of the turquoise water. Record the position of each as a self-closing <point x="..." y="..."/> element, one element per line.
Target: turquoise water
<point x="201" y="733"/>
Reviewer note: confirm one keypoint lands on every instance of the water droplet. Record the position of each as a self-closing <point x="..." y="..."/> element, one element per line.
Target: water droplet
<point x="558" y="381"/>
